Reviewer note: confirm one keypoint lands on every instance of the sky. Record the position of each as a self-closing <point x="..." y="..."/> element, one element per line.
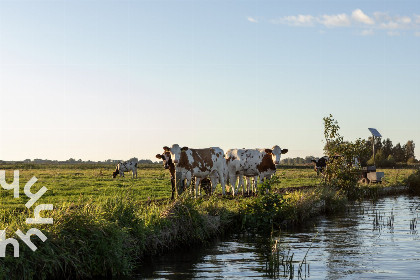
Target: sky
<point x="118" y="79"/>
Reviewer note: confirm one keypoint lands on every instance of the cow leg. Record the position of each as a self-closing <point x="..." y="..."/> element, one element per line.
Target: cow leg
<point x="232" y="179"/>
<point x="255" y="184"/>
<point x="197" y="187"/>
<point x="187" y="183"/>
<point x="222" y="182"/>
<point x="238" y="183"/>
<point x="248" y="184"/>
<point x="241" y="184"/>
<point x="173" y="187"/>
<point x="213" y="180"/>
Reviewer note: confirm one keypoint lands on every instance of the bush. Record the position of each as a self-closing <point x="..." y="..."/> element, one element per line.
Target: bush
<point x="413" y="182"/>
<point x="411" y="160"/>
<point x="341" y="172"/>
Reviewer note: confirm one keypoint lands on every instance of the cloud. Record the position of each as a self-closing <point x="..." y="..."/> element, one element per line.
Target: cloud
<point x="251" y="19"/>
<point x="368" y="24"/>
<point x="299" y="20"/>
<point x="335" y="20"/>
<point x="359" y="16"/>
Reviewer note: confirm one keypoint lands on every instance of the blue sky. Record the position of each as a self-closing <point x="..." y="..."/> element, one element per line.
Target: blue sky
<point x="118" y="79"/>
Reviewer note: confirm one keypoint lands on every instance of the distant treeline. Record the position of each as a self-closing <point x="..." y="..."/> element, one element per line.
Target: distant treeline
<point x="79" y="161"/>
<point x="386" y="154"/>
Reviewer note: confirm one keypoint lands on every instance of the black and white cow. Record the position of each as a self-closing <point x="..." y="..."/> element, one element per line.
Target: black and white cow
<point x="320" y="164"/>
<point x="125" y="166"/>
<point x="200" y="163"/>
<point x="257" y="163"/>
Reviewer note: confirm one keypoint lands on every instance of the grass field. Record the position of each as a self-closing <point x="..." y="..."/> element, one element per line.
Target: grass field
<point x="103" y="226"/>
<point x="70" y="183"/>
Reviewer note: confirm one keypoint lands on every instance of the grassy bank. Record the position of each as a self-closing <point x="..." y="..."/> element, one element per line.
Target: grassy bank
<point x="104" y="227"/>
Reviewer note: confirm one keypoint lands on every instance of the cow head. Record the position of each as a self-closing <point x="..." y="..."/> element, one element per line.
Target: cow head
<point x="176" y="152"/>
<point x="276" y="153"/>
<point x="165" y="157"/>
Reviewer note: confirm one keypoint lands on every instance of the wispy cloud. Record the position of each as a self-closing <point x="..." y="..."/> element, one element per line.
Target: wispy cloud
<point x="335" y="20"/>
<point x="299" y="20"/>
<point x="357" y="18"/>
<point x="251" y="19"/>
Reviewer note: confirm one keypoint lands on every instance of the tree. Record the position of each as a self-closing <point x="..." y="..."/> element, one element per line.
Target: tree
<point x="409" y="151"/>
<point x="391" y="161"/>
<point x="387" y="147"/>
<point x="341" y="172"/>
<point x="308" y="159"/>
<point x="398" y="153"/>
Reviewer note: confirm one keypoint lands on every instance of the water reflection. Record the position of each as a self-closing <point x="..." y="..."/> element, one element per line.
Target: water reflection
<point x="370" y="240"/>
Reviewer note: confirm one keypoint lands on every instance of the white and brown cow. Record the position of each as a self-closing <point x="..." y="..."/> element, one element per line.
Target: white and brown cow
<point x="168" y="164"/>
<point x="201" y="163"/>
<point x="257" y="163"/>
<point x="125" y="166"/>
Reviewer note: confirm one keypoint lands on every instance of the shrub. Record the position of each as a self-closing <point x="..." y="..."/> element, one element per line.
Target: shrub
<point x="341" y="173"/>
<point x="413" y="182"/>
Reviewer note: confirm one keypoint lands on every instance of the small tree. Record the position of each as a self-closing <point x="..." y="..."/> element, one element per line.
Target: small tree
<point x="409" y="151"/>
<point x="341" y="171"/>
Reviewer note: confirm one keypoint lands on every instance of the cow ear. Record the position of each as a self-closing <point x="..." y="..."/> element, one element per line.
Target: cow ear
<point x="284" y="151"/>
<point x="314" y="161"/>
<point x="166" y="148"/>
<point x="184" y="148"/>
<point x="158" y="156"/>
<point x="268" y="151"/>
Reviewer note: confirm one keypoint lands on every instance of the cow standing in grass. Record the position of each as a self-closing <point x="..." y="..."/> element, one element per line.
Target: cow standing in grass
<point x="168" y="164"/>
<point x="125" y="166"/>
<point x="200" y="163"/>
<point x="257" y="163"/>
<point x="320" y="164"/>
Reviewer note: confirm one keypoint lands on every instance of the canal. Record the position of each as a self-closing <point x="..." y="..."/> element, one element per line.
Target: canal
<point x="369" y="240"/>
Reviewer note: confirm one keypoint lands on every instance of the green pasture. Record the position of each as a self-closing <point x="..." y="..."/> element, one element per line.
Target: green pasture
<point x="73" y="183"/>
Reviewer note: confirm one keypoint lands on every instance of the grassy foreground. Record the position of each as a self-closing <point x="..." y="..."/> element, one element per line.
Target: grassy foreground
<point x="104" y="226"/>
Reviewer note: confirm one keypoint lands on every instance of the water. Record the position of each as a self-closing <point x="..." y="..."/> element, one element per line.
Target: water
<point x="371" y="240"/>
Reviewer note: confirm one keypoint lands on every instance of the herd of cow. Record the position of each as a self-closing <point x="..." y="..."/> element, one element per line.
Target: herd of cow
<point x="212" y="163"/>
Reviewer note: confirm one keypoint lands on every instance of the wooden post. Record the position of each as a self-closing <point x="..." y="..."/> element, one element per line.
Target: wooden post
<point x="179" y="184"/>
<point x="373" y="137"/>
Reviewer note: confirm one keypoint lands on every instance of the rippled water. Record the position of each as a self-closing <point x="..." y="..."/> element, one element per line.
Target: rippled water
<point x="371" y="240"/>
